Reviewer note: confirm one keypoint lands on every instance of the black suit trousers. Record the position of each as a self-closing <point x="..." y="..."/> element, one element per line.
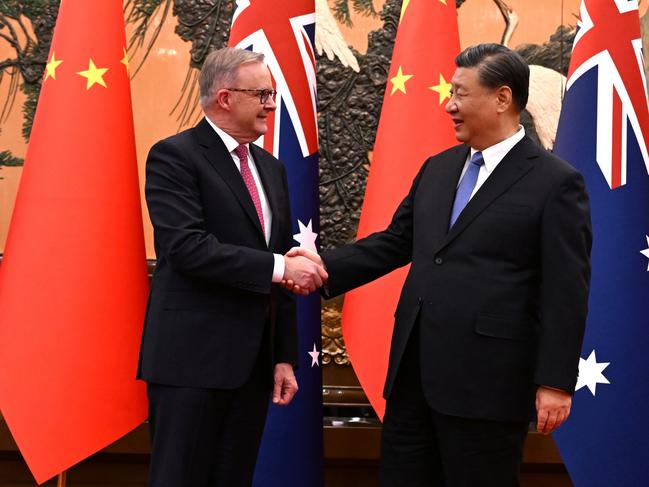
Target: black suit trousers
<point x="421" y="447"/>
<point x="207" y="437"/>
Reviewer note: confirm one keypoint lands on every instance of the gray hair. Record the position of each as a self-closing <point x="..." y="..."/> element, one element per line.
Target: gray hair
<point x="220" y="69"/>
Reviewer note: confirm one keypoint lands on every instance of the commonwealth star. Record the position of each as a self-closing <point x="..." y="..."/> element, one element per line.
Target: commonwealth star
<point x="645" y="252"/>
<point x="307" y="236"/>
<point x="590" y="373"/>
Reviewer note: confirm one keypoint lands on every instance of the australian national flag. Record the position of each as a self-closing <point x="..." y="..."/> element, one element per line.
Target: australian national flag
<point x="291" y="450"/>
<point x="603" y="131"/>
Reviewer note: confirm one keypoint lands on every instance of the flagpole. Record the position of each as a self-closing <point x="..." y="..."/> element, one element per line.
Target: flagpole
<point x="62" y="479"/>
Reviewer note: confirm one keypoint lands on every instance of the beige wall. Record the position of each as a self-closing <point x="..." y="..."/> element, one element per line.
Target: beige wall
<point x="155" y="91"/>
<point x="157" y="87"/>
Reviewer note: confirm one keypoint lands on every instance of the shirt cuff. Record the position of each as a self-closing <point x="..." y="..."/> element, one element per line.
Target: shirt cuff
<point x="278" y="269"/>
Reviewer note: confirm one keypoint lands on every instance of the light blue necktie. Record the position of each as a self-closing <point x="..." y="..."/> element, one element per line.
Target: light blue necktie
<point x="464" y="190"/>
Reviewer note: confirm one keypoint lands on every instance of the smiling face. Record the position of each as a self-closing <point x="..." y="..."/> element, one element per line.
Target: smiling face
<point x="247" y="118"/>
<point x="475" y="110"/>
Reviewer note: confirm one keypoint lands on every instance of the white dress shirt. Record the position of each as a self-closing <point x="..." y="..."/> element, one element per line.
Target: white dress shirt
<point x="231" y="144"/>
<point x="492" y="157"/>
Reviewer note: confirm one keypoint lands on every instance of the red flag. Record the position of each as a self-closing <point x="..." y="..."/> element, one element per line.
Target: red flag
<point x="413" y="126"/>
<point x="73" y="281"/>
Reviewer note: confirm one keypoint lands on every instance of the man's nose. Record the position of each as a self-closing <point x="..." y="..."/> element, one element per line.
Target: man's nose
<point x="450" y="105"/>
<point x="270" y="104"/>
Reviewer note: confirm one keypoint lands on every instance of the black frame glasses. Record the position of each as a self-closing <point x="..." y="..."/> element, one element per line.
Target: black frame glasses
<point x="263" y="94"/>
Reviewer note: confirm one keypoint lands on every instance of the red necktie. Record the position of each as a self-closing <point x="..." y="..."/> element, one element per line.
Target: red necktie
<point x="242" y="153"/>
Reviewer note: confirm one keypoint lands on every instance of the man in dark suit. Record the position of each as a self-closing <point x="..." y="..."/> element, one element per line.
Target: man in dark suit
<point x="220" y="334"/>
<point x="489" y="325"/>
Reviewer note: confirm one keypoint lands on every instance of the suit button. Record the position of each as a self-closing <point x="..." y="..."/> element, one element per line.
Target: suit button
<point x="439" y="260"/>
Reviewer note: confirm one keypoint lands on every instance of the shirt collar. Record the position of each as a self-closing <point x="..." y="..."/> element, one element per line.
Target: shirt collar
<point x="496" y="153"/>
<point x="229" y="141"/>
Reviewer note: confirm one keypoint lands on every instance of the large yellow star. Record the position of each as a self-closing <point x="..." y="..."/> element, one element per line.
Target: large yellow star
<point x="404" y="6"/>
<point x="443" y="88"/>
<point x="125" y="59"/>
<point x="94" y="75"/>
<point x="50" y="68"/>
<point x="443" y="1"/>
<point x="399" y="81"/>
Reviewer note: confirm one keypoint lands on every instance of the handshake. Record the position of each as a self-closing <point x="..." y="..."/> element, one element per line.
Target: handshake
<point x="304" y="271"/>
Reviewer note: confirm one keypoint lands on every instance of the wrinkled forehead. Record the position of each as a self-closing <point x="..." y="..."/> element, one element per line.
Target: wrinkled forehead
<point x="254" y="73"/>
<point x="466" y="77"/>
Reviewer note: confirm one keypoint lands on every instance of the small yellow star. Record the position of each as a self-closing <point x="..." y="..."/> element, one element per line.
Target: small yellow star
<point x="51" y="67"/>
<point x="404" y="6"/>
<point x="399" y="81"/>
<point x="443" y="88"/>
<point x="443" y="1"/>
<point x="94" y="75"/>
<point x="125" y="59"/>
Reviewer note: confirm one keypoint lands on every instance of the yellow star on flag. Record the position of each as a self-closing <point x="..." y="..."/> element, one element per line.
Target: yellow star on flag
<point x="94" y="75"/>
<point x="125" y="59"/>
<point x="51" y="67"/>
<point x="404" y="6"/>
<point x="443" y="88"/>
<point x="443" y="1"/>
<point x="399" y="81"/>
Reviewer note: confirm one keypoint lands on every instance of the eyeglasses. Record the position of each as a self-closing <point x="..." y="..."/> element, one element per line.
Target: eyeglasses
<point x="262" y="94"/>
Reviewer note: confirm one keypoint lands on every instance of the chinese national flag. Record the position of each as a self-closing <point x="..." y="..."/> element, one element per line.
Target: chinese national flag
<point x="73" y="282"/>
<point x="413" y="126"/>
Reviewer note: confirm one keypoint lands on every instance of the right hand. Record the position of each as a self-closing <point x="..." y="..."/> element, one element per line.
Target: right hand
<point x="303" y="274"/>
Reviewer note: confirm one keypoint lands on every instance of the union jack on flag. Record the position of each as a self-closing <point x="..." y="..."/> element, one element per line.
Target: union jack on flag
<point x="608" y="36"/>
<point x="284" y="31"/>
<point x="603" y="130"/>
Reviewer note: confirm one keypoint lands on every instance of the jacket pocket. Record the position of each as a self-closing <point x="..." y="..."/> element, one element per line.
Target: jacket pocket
<point x="510" y="208"/>
<point x="509" y="328"/>
<point x="190" y="301"/>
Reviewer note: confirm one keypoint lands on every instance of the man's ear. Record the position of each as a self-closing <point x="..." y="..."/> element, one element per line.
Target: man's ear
<point x="223" y="98"/>
<point x="503" y="98"/>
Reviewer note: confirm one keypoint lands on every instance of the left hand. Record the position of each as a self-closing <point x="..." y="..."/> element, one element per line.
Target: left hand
<point x="285" y="384"/>
<point x="553" y="408"/>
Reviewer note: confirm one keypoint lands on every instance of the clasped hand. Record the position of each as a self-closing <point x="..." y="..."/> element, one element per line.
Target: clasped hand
<point x="304" y="271"/>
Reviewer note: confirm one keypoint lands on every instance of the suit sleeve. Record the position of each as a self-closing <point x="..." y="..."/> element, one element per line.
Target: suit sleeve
<point x="175" y="208"/>
<point x="286" y="342"/>
<point x="354" y="265"/>
<point x="566" y="244"/>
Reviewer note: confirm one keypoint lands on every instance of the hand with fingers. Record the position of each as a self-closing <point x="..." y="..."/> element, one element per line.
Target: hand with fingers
<point x="553" y="408"/>
<point x="285" y="384"/>
<point x="304" y="271"/>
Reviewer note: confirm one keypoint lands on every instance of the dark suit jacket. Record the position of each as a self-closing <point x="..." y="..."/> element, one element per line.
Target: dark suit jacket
<point x="501" y="297"/>
<point x="211" y="293"/>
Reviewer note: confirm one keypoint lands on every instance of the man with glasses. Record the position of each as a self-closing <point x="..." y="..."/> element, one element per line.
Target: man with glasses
<point x="220" y="334"/>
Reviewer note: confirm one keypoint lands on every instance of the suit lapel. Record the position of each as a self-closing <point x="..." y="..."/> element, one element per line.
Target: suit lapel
<point x="445" y="181"/>
<point x="218" y="156"/>
<point x="513" y="167"/>
<point x="271" y="188"/>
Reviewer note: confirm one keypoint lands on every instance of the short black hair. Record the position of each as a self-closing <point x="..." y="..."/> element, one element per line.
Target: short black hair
<point x="498" y="66"/>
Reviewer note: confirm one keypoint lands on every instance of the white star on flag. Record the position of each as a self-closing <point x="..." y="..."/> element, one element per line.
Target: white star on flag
<point x="306" y="237"/>
<point x="645" y="252"/>
<point x="590" y="373"/>
<point x="315" y="356"/>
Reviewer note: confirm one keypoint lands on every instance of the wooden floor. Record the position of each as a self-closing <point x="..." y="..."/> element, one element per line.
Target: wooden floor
<point x="351" y="459"/>
<point x="106" y="470"/>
